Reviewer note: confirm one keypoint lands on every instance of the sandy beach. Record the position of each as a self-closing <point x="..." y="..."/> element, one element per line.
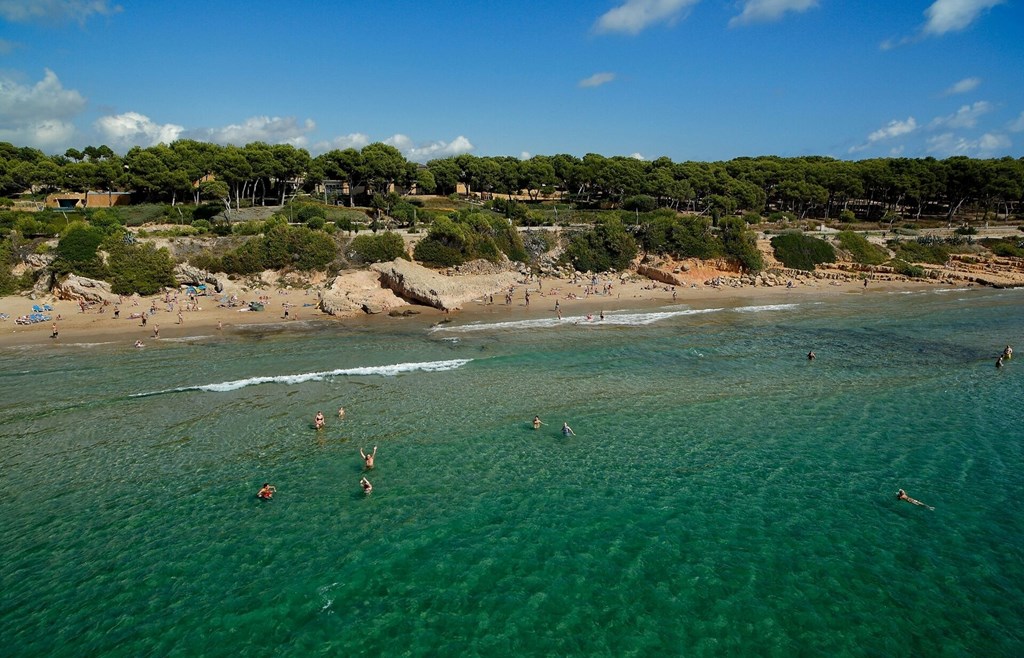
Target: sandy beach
<point x="98" y="324"/>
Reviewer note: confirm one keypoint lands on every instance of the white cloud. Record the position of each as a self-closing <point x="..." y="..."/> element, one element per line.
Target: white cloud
<point x="954" y="15"/>
<point x="525" y="155"/>
<point x="1017" y="125"/>
<point x="962" y="87"/>
<point x="894" y="128"/>
<point x="39" y="115"/>
<point x="134" y="129"/>
<point x="429" y="150"/>
<point x="987" y="145"/>
<point x="634" y="16"/>
<point x="760" y="11"/>
<point x="637" y="156"/>
<point x="20" y="11"/>
<point x="896" y="151"/>
<point x="273" y="130"/>
<point x="965" y="117"/>
<point x="597" y="80"/>
<point x="351" y="141"/>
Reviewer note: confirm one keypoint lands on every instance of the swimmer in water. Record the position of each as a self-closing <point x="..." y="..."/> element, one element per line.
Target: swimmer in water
<point x="318" y="421"/>
<point x="368" y="457"/>
<point x="566" y="430"/>
<point x="811" y="356"/>
<point x="365" y="484"/>
<point x="902" y="495"/>
<point x="537" y="422"/>
<point x="267" y="491"/>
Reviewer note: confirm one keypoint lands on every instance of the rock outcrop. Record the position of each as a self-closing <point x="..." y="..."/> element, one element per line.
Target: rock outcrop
<point x="358" y="292"/>
<point x="193" y="276"/>
<point x="422" y="285"/>
<point x="79" y="288"/>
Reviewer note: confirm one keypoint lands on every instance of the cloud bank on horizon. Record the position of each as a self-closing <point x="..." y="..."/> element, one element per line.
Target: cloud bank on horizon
<point x="682" y="78"/>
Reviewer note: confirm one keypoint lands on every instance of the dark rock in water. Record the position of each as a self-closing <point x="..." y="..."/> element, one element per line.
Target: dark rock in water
<point x="404" y="313"/>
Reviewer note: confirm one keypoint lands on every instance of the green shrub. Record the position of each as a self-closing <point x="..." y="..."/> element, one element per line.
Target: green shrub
<point x="802" y="252"/>
<point x="1010" y="248"/>
<point x="436" y="253"/>
<point x="604" y="247"/>
<point x="378" y="248"/>
<point x="847" y="216"/>
<point x="752" y="218"/>
<point x="740" y="244"/>
<point x="861" y="250"/>
<point x="77" y="251"/>
<point x="966" y="229"/>
<point x="139" y="268"/>
<point x="918" y="252"/>
<point x="906" y="269"/>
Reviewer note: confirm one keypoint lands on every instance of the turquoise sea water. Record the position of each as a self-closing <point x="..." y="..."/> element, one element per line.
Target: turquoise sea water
<point x="723" y="495"/>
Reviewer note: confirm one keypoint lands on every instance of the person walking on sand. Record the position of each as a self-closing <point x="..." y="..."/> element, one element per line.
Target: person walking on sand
<point x="566" y="430"/>
<point x="318" y="420"/>
<point x="537" y="422"/>
<point x="156" y="330"/>
<point x="365" y="484"/>
<point x="368" y="458"/>
<point x="902" y="495"/>
<point x="53" y="332"/>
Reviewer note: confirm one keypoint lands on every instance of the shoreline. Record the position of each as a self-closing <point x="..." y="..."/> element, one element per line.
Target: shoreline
<point x="94" y="327"/>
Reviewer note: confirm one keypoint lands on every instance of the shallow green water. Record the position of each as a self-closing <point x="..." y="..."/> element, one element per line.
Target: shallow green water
<point x="723" y="495"/>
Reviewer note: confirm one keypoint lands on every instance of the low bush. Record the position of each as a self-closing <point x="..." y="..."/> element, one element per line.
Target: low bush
<point x="861" y="250"/>
<point x="906" y="269"/>
<point x="802" y="252"/>
<point x="377" y="248"/>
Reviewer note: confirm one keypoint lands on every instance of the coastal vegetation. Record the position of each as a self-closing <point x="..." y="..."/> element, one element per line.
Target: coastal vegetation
<point x="342" y="208"/>
<point x="802" y="252"/>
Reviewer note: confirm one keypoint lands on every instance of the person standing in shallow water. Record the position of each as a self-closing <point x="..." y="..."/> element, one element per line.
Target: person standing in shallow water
<point x="368" y="457"/>
<point x="318" y="420"/>
<point x="811" y="356"/>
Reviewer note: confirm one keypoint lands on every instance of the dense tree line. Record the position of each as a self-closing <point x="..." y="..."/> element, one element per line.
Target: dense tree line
<point x="260" y="173"/>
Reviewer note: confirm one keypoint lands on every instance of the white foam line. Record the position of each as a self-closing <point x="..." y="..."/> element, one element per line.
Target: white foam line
<point x="619" y="319"/>
<point x="386" y="371"/>
<point x="766" y="307"/>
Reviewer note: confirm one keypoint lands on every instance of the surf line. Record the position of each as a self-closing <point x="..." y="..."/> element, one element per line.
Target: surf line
<point x="385" y="371"/>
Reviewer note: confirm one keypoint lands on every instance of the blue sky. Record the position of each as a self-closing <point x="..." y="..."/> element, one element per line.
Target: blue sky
<point x="687" y="79"/>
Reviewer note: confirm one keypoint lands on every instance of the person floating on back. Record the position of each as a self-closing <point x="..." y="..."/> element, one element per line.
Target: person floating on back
<point x="566" y="430"/>
<point x="902" y="495"/>
<point x="267" y="491"/>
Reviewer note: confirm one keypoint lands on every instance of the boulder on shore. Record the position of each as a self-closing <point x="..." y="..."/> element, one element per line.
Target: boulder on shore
<point x="79" y="288"/>
<point x="423" y="285"/>
<point x="358" y="292"/>
<point x="193" y="276"/>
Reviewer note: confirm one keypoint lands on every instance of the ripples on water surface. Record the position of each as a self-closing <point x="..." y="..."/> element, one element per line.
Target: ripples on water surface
<point x="723" y="496"/>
